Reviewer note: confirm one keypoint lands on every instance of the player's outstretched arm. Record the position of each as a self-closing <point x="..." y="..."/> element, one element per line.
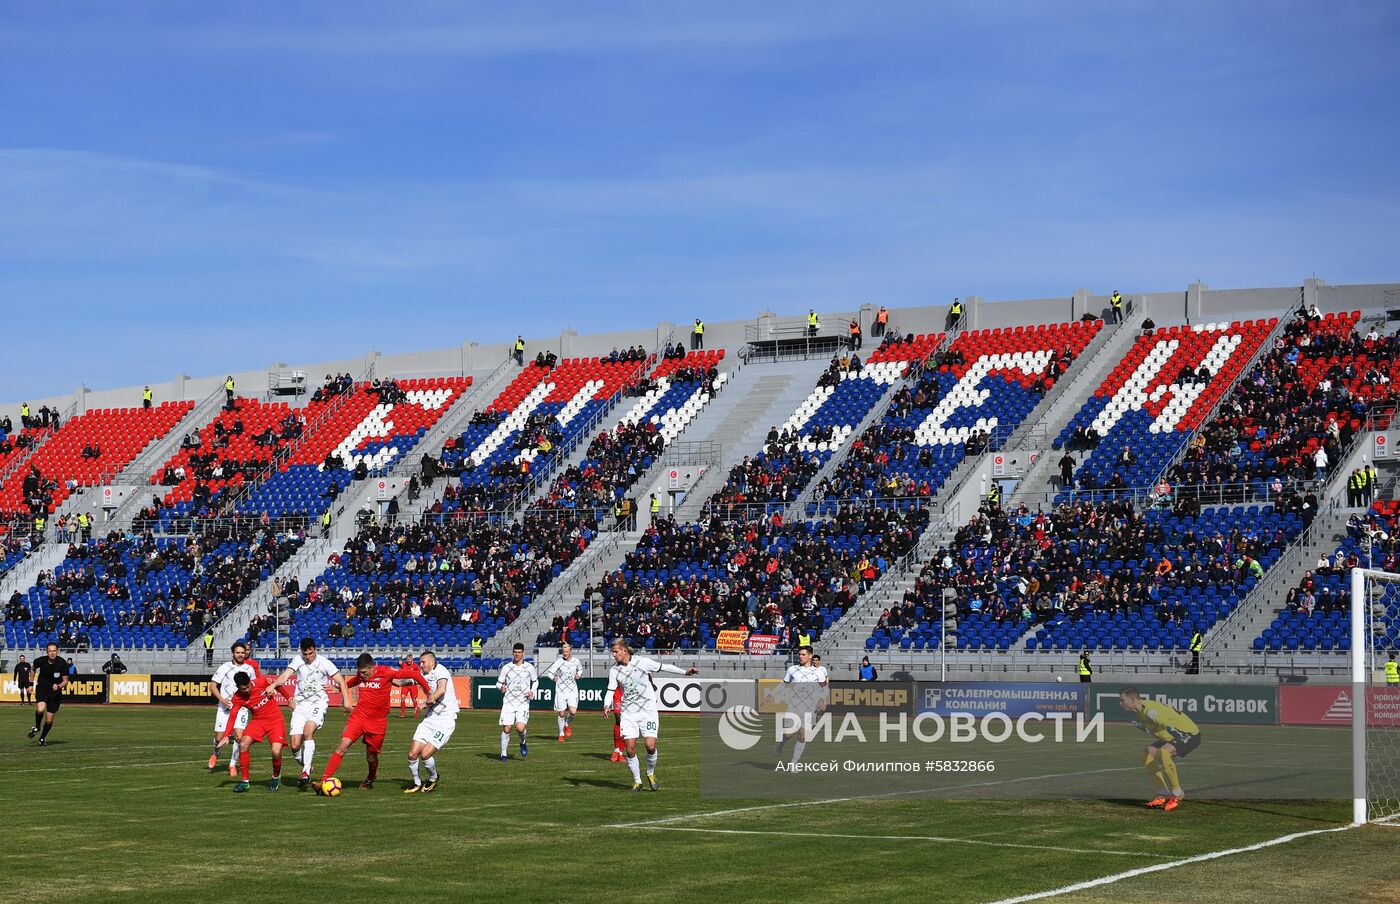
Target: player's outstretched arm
<point x="414" y="676"/>
<point x="344" y="692"/>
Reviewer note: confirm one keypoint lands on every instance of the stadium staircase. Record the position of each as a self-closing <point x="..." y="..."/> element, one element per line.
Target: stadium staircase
<point x="604" y="555"/>
<point x="737" y="421"/>
<point x="23" y="576"/>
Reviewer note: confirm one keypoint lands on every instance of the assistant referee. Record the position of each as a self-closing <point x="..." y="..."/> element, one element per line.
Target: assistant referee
<point x="50" y="680"/>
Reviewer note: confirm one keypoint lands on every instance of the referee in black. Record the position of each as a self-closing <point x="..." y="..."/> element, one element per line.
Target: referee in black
<point x="50" y="678"/>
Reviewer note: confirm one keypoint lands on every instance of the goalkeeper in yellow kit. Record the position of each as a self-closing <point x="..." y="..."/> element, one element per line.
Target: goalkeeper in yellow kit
<point x="1176" y="737"/>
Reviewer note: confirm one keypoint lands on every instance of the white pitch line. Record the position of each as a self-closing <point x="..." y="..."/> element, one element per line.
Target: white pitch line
<point x="1159" y="867"/>
<point x="934" y="838"/>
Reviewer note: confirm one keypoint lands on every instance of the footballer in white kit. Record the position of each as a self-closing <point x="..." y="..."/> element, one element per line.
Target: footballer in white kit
<point x="640" y="718"/>
<point x="805" y="688"/>
<point x="222" y="687"/>
<point x="566" y="671"/>
<point x="312" y="671"/>
<point x="518" y="683"/>
<point x="439" y="721"/>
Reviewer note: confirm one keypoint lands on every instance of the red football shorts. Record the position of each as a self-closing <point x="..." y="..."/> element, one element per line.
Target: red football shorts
<point x="372" y="734"/>
<point x="272" y="732"/>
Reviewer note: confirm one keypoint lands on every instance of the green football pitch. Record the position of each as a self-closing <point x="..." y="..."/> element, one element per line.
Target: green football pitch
<point x="120" y="807"/>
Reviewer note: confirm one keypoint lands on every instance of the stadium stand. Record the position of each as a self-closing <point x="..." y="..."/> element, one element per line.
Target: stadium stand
<point x="1090" y="575"/>
<point x="1147" y="409"/>
<point x="514" y="442"/>
<point x="968" y="401"/>
<point x="1314" y="390"/>
<point x="375" y="425"/>
<point x="440" y="583"/>
<point x="1316" y="612"/>
<point x="684" y="583"/>
<point x="143" y="592"/>
<point x="84" y="452"/>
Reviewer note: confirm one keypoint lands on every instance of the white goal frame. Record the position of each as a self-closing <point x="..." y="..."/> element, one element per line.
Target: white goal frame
<point x="1362" y="675"/>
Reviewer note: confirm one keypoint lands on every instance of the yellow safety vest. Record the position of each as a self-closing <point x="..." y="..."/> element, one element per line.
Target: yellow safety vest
<point x="476" y="646"/>
<point x="82" y="519"/>
<point x="24" y="411"/>
<point x="1196" y="642"/>
<point x="957" y="308"/>
<point x="1084" y="668"/>
<point x="1116" y="301"/>
<point x="812" y="319"/>
<point x="39" y="523"/>
<point x="655" y="505"/>
<point x="804" y="640"/>
<point x="994" y="494"/>
<point x="1392" y="672"/>
<point x="326" y="518"/>
<point x="699" y="328"/>
<point x="209" y="641"/>
<point x="228" y="385"/>
<point x="146" y="395"/>
<point x="520" y="345"/>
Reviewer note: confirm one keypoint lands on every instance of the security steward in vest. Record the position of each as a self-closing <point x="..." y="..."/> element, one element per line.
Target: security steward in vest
<point x="1196" y="641"/>
<point x="476" y="646"/>
<point x="994" y="494"/>
<point x="655" y="506"/>
<point x="228" y="391"/>
<point x="1356" y="488"/>
<point x="520" y="351"/>
<point x="1115" y="302"/>
<point x="1392" y="670"/>
<point x="813" y="324"/>
<point x="955" y="314"/>
<point x="1086" y="668"/>
<point x="697" y="335"/>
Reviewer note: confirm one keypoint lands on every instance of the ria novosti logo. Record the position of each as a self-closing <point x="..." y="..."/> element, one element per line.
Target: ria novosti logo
<point x="740" y="727"/>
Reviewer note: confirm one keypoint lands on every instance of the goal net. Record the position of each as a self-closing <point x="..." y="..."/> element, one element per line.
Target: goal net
<point x="1375" y="644"/>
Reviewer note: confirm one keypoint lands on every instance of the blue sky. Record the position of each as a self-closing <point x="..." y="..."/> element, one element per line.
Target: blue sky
<point x="187" y="190"/>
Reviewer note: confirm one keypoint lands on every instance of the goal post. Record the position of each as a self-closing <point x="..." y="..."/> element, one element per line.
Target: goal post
<point x="1375" y="728"/>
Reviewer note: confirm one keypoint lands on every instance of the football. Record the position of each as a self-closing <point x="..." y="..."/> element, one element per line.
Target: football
<point x="331" y="787"/>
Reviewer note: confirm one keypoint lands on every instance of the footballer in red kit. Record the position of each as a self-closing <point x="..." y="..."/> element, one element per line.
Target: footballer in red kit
<point x="616" y="710"/>
<point x="265" y="721"/>
<point x="370" y="719"/>
<point x="409" y="692"/>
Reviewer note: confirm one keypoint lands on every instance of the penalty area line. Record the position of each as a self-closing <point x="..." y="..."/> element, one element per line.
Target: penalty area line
<point x="938" y="839"/>
<point x="1160" y="867"/>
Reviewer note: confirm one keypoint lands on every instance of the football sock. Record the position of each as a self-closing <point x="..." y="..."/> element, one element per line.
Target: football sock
<point x="244" y="758"/>
<point x="373" y="770"/>
<point x="431" y="763"/>
<point x="308" y="748"/>
<point x="44" y="733"/>
<point x="505" y="742"/>
<point x="562" y="722"/>
<point x="797" y="751"/>
<point x="1169" y="769"/>
<point x="651" y="761"/>
<point x="413" y="768"/>
<point x="297" y="754"/>
<point x="636" y="768"/>
<point x="331" y="766"/>
<point x="232" y="752"/>
<point x="522" y="737"/>
<point x="38" y="718"/>
<point x="1155" y="771"/>
<point x="568" y="718"/>
<point x="277" y="766"/>
<point x="617" y="736"/>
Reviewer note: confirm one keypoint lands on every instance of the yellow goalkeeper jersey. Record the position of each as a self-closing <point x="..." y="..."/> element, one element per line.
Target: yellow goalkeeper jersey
<point x="1164" y="722"/>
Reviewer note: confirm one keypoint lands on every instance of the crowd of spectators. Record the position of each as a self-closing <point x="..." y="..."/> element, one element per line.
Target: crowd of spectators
<point x="615" y="460"/>
<point x="451" y="570"/>
<point x="686" y="582"/>
<point x="141" y="580"/>
<point x="1296" y="413"/>
<point x="1031" y="566"/>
